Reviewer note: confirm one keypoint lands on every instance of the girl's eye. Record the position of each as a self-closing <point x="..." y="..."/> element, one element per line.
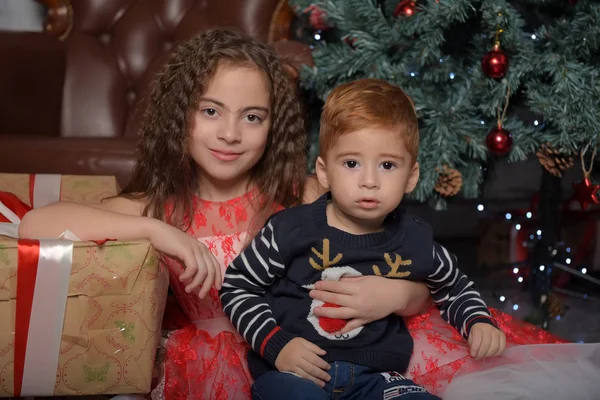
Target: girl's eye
<point x="388" y="165"/>
<point x="253" y="118"/>
<point x="351" y="164"/>
<point x="211" y="112"/>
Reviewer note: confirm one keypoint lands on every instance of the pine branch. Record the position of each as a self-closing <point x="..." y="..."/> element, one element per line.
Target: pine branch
<point x="435" y="56"/>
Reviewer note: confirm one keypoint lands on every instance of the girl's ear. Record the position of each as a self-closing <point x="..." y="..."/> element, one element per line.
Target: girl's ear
<point x="322" y="173"/>
<point x="413" y="178"/>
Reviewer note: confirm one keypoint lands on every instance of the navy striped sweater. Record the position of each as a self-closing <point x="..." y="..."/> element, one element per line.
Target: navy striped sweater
<point x="265" y="292"/>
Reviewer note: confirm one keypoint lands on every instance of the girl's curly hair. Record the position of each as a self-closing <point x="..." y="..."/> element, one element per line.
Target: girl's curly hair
<point x="165" y="173"/>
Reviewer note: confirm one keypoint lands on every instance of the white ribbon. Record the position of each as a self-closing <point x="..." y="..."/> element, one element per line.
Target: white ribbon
<point x="47" y="317"/>
<point x="49" y="296"/>
<point x="9" y="214"/>
<point x="9" y="229"/>
<point x="46" y="189"/>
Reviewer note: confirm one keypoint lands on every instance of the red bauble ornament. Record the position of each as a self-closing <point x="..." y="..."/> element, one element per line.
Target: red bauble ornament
<point x="406" y="8"/>
<point x="331" y="325"/>
<point x="350" y="41"/>
<point x="585" y="193"/>
<point x="317" y="18"/>
<point x="572" y="2"/>
<point x="495" y="64"/>
<point x="499" y="141"/>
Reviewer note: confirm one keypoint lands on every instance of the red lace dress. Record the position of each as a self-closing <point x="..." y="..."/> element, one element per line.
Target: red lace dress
<point x="207" y="358"/>
<point x="440" y="353"/>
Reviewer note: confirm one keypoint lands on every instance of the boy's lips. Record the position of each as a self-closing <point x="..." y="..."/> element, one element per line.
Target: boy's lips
<point x="223" y="155"/>
<point x="368" y="202"/>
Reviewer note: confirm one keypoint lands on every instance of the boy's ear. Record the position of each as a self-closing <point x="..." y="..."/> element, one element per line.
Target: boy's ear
<point x="413" y="178"/>
<point x="321" y="173"/>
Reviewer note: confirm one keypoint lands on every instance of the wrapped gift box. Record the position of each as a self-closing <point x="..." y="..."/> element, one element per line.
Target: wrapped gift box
<point x="87" y="317"/>
<point x="38" y="190"/>
<point x="115" y="297"/>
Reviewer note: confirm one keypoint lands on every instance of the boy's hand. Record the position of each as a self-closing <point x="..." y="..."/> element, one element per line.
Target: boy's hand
<point x="303" y="358"/>
<point x="486" y="340"/>
<point x="201" y="267"/>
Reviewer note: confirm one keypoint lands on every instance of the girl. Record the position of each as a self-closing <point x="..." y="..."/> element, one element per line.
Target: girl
<point x="222" y="146"/>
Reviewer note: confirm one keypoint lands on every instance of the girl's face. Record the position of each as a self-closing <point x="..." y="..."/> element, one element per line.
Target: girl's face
<point x="231" y="127"/>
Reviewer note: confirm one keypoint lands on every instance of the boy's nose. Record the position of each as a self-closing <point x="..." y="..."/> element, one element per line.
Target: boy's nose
<point x="369" y="179"/>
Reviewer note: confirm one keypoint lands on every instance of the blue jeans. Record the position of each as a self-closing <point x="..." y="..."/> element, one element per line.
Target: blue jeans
<point x="348" y="381"/>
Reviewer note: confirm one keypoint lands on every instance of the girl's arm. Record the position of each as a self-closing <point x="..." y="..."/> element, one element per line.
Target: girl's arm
<point x="415" y="299"/>
<point x="120" y="218"/>
<point x="370" y="298"/>
<point x="312" y="190"/>
<point x="114" y="218"/>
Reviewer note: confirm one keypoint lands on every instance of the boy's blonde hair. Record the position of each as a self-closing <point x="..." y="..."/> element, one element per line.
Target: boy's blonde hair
<point x="368" y="103"/>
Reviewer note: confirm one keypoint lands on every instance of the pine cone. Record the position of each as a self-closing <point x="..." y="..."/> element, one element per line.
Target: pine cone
<point x="449" y="181"/>
<point x="555" y="307"/>
<point x="554" y="161"/>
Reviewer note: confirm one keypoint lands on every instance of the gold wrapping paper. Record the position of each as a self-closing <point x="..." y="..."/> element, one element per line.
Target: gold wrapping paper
<point x="75" y="188"/>
<point x="116" y="300"/>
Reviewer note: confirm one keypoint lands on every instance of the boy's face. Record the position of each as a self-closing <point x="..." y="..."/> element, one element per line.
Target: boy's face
<point x="368" y="172"/>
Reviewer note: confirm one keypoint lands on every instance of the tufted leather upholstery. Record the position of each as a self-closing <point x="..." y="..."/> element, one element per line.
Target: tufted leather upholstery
<point x="111" y="52"/>
<point x="116" y="47"/>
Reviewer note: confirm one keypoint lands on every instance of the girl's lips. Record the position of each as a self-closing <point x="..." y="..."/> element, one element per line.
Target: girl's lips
<point x="225" y="155"/>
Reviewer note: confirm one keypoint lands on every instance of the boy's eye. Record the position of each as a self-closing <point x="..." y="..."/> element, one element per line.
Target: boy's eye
<point x="388" y="165"/>
<point x="210" y="112"/>
<point x="351" y="164"/>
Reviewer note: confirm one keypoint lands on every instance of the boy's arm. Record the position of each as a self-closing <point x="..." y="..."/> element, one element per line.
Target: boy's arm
<point x="457" y="297"/>
<point x="242" y="294"/>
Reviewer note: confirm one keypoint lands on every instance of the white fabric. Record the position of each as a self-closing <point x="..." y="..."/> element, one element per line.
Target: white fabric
<point x="533" y="372"/>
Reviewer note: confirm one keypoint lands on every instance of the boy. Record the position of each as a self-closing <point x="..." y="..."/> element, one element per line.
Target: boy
<point x="368" y="150"/>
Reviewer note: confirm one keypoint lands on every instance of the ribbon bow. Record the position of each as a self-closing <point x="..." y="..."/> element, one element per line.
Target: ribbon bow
<point x="12" y="209"/>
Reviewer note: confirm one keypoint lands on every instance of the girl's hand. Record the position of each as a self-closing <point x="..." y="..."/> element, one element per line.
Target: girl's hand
<point x="366" y="299"/>
<point x="201" y="266"/>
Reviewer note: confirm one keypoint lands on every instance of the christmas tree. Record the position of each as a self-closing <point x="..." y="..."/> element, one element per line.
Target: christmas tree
<point x="470" y="66"/>
<point x="490" y="79"/>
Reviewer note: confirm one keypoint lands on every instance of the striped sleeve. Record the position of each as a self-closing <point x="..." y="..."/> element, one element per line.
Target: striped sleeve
<point x="457" y="297"/>
<point x="243" y="290"/>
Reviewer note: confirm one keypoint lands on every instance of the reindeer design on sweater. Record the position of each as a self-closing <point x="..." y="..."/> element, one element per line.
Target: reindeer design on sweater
<point x="329" y="327"/>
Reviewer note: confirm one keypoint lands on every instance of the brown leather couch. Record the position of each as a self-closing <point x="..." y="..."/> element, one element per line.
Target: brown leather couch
<point x="68" y="95"/>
